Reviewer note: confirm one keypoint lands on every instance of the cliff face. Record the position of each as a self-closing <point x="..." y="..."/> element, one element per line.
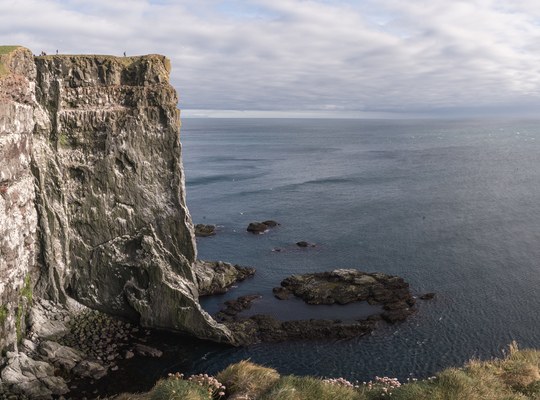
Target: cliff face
<point x="114" y="232"/>
<point x="18" y="217"/>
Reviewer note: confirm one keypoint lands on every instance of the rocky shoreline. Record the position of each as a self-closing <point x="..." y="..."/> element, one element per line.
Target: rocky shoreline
<point x="68" y="345"/>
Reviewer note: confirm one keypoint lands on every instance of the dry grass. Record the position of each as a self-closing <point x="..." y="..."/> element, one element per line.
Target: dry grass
<point x="247" y="378"/>
<point x="515" y="377"/>
<point x="306" y="388"/>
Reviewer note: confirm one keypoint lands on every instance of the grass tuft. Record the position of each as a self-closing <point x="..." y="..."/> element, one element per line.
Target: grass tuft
<point x="178" y="389"/>
<point x="247" y="378"/>
<point x="308" y="388"/>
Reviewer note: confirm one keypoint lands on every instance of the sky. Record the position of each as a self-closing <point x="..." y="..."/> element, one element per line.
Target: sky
<point x="310" y="58"/>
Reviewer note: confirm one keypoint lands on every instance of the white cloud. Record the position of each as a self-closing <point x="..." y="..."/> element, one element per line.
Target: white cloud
<point x="294" y="55"/>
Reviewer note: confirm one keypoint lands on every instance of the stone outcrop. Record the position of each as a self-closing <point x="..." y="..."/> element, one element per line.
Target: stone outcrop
<point x="265" y="328"/>
<point x="205" y="230"/>
<point x="92" y="201"/>
<point x="261" y="227"/>
<point x="343" y="286"/>
<point x="216" y="277"/>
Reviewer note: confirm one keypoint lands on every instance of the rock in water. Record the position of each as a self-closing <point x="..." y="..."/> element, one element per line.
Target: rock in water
<point x="270" y="223"/>
<point x="202" y="230"/>
<point x="257" y="227"/>
<point x="261" y="227"/>
<point x="340" y="286"/>
<point x="343" y="286"/>
<point x="216" y="277"/>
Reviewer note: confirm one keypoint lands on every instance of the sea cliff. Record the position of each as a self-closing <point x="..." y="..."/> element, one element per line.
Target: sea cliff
<point x="92" y="197"/>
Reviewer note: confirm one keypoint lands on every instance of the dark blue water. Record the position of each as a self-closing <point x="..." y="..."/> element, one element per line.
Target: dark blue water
<point x="451" y="206"/>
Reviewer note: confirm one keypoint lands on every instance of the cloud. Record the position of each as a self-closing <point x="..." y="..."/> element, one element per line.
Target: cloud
<point x="293" y="55"/>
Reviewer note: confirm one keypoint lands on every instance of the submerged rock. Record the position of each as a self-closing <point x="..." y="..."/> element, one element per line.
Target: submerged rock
<point x="202" y="230"/>
<point x="234" y="307"/>
<point x="427" y="296"/>
<point x="305" y="244"/>
<point x="281" y="293"/>
<point x="216" y="277"/>
<point x="265" y="328"/>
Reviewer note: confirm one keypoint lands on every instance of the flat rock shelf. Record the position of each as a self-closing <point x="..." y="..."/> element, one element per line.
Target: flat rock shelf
<point x="340" y="286"/>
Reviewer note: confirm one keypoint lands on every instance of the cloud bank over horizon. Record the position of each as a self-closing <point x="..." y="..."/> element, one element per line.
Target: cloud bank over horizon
<point x="344" y="58"/>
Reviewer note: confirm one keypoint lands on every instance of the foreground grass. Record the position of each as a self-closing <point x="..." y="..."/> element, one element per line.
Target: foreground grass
<point x="515" y="377"/>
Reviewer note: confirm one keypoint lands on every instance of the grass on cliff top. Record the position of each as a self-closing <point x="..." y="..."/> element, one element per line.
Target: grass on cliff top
<point x="4" y="51"/>
<point x="7" y="49"/>
<point x="515" y="377"/>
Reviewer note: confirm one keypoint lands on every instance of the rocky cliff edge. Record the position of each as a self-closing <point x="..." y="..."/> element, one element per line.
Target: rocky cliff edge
<point x="92" y="197"/>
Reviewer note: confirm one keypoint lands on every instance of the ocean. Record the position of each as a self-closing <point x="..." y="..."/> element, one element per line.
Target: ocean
<point x="451" y="206"/>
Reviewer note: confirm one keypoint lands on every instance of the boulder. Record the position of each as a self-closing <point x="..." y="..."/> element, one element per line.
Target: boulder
<point x="147" y="351"/>
<point x="257" y="227"/>
<point x="261" y="227"/>
<point x="216" y="277"/>
<point x="31" y="378"/>
<point x="90" y="369"/>
<point x="60" y="356"/>
<point x="202" y="230"/>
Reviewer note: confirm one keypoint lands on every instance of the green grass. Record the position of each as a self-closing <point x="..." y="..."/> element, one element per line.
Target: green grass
<point x="7" y="49"/>
<point x="178" y="389"/>
<point x="247" y="378"/>
<point x="25" y="302"/>
<point x="4" y="52"/>
<point x="26" y="291"/>
<point x="308" y="388"/>
<point x="514" y="377"/>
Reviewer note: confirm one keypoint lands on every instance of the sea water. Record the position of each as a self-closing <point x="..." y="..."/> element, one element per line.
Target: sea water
<point x="453" y="207"/>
